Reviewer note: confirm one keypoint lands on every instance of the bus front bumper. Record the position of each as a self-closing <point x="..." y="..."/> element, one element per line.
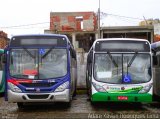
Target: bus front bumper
<point x="102" y="97"/>
<point x="39" y="97"/>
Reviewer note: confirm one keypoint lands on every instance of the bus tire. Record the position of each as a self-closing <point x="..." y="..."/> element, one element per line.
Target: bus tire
<point x="20" y="105"/>
<point x="93" y="103"/>
<point x="137" y="104"/>
<point x="74" y="93"/>
<point x="75" y="89"/>
<point x="89" y="94"/>
<point x="68" y="104"/>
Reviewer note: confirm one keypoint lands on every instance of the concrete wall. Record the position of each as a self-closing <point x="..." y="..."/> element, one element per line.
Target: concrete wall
<point x="145" y="32"/>
<point x="81" y="69"/>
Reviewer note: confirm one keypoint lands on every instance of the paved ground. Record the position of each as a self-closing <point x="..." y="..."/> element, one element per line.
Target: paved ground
<point x="80" y="108"/>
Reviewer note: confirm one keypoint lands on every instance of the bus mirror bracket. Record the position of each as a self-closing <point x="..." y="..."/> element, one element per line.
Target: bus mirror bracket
<point x="90" y="58"/>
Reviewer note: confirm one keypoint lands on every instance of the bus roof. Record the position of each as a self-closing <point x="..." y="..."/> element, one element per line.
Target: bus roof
<point x="119" y="40"/>
<point x="27" y="35"/>
<point x="39" y="39"/>
<point x="135" y="39"/>
<point x="131" y="39"/>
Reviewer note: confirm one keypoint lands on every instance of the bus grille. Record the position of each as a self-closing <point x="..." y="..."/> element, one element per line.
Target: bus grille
<point x="38" y="84"/>
<point x="44" y="96"/>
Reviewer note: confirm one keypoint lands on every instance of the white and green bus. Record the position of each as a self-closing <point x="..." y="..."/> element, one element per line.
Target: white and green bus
<point x="119" y="69"/>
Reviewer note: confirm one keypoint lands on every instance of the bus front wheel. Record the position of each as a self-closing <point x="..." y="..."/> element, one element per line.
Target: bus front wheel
<point x="20" y="105"/>
<point x="75" y="89"/>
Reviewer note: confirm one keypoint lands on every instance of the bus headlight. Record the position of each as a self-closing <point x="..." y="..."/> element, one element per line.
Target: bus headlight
<point x="98" y="87"/>
<point x="14" y="88"/>
<point x="62" y="87"/>
<point x="146" y="88"/>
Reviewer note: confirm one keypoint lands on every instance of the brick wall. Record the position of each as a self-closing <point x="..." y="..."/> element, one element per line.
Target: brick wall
<point x="73" y="21"/>
<point x="3" y="39"/>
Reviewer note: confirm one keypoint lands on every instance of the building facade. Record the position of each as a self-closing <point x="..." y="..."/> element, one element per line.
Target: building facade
<point x="80" y="27"/>
<point x="3" y="40"/>
<point x="73" y="21"/>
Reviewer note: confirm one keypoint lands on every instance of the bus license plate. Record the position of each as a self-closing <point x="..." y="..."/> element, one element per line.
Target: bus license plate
<point x="122" y="98"/>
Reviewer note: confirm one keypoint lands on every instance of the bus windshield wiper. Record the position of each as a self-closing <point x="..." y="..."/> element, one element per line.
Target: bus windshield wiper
<point x="29" y="53"/>
<point x="113" y="61"/>
<point x="131" y="61"/>
<point x="43" y="56"/>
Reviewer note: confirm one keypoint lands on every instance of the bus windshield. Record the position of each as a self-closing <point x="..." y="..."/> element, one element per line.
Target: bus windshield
<point x="38" y="63"/>
<point x="112" y="68"/>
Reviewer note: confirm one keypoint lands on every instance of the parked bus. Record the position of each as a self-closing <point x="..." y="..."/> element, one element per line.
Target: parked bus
<point x="156" y="68"/>
<point x="119" y="69"/>
<point x="1" y="71"/>
<point x="40" y="68"/>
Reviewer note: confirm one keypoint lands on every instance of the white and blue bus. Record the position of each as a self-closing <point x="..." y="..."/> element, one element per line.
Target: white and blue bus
<point x="40" y="68"/>
<point x="119" y="70"/>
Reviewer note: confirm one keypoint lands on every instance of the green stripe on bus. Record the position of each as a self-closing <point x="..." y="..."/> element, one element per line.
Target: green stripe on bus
<point x="100" y="96"/>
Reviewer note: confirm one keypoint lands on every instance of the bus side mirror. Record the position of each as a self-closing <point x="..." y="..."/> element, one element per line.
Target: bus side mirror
<point x="155" y="60"/>
<point x="73" y="53"/>
<point x="89" y="58"/>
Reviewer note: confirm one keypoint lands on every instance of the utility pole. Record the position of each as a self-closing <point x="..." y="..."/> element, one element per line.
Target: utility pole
<point x="99" y="29"/>
<point x="145" y="21"/>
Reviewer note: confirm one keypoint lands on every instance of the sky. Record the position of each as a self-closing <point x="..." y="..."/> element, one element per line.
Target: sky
<point x="33" y="16"/>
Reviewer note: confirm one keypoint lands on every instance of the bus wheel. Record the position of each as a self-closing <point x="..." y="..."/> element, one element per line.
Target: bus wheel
<point x="68" y="104"/>
<point x="74" y="93"/>
<point x="65" y="104"/>
<point x="137" y="104"/>
<point x="20" y="105"/>
<point x="89" y="94"/>
<point x="75" y="90"/>
<point x="93" y="103"/>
